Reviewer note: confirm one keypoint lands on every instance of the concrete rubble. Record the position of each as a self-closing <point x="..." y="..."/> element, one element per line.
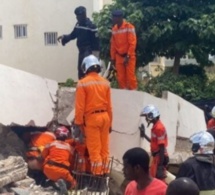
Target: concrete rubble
<point x="27" y="99"/>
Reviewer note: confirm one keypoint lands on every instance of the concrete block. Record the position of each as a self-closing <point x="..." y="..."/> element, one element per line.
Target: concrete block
<point x="25" y="97"/>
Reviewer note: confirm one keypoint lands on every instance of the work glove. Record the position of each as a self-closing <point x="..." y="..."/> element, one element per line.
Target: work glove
<point x="112" y="62"/>
<point x="126" y="59"/>
<point x="142" y="130"/>
<point x="160" y="172"/>
<point x="77" y="131"/>
<point x="110" y="129"/>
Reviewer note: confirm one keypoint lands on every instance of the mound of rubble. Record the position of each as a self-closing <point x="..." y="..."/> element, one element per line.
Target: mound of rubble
<point x="13" y="168"/>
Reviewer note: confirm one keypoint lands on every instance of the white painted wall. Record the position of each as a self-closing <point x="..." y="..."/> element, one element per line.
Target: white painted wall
<point x="26" y="97"/>
<point x="180" y="118"/>
<point x="31" y="54"/>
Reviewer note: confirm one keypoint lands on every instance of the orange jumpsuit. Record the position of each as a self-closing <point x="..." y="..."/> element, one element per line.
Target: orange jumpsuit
<point x="93" y="110"/>
<point x="158" y="137"/>
<point x="123" y="42"/>
<point x="38" y="140"/>
<point x="211" y="124"/>
<point x="80" y="161"/>
<point x="57" y="157"/>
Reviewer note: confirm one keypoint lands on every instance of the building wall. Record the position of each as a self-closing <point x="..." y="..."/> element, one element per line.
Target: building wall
<point x="30" y="54"/>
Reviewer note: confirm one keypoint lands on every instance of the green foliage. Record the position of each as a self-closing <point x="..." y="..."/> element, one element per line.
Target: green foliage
<point x="167" y="28"/>
<point x="190" y="87"/>
<point x="69" y="83"/>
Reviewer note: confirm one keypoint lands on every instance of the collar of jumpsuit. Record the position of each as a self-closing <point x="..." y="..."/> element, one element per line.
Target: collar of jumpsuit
<point x="122" y="26"/>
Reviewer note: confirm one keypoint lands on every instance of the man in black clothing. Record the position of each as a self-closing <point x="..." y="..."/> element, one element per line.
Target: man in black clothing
<point x="201" y="167"/>
<point x="87" y="37"/>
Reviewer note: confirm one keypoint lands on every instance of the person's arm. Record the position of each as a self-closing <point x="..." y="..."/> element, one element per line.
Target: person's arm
<point x="112" y="48"/>
<point x="66" y="38"/>
<point x="143" y="133"/>
<point x="94" y="40"/>
<point x="80" y="97"/>
<point x="185" y="170"/>
<point x="109" y="108"/>
<point x="161" y="154"/>
<point x="132" y="40"/>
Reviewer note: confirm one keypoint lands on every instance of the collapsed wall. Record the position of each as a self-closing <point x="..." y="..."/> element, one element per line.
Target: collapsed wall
<point x="31" y="100"/>
<point x="12" y="165"/>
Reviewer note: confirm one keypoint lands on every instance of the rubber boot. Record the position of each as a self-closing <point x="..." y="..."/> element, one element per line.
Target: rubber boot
<point x="61" y="184"/>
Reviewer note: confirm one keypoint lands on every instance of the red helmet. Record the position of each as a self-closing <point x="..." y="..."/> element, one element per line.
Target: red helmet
<point x="62" y="132"/>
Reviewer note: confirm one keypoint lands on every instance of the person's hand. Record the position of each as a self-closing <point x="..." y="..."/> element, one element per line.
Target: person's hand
<point x="59" y="39"/>
<point x="110" y="129"/>
<point x="160" y="172"/>
<point x="126" y="59"/>
<point x="142" y="130"/>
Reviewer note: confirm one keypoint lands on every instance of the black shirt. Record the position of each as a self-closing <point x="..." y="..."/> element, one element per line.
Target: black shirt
<point x="86" y="34"/>
<point x="202" y="173"/>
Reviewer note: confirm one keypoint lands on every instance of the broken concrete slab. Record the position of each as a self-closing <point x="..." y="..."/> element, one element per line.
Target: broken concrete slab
<point x="25" y="97"/>
<point x="21" y="191"/>
<point x="10" y="143"/>
<point x="66" y="98"/>
<point x="24" y="183"/>
<point x="12" y="169"/>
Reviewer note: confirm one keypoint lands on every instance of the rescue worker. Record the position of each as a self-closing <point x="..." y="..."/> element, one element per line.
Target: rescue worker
<point x="93" y="114"/>
<point x="136" y="169"/>
<point x="211" y="122"/>
<point x="57" y="157"/>
<point x="183" y="185"/>
<point x="201" y="167"/>
<point x="158" y="141"/>
<point x="37" y="142"/>
<point x="123" y="45"/>
<point x="87" y="37"/>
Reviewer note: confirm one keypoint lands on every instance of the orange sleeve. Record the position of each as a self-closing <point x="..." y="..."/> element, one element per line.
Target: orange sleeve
<point x="160" y="133"/>
<point x="109" y="106"/>
<point x="211" y="124"/>
<point x="112" y="48"/>
<point x="132" y="40"/>
<point x="80" y="97"/>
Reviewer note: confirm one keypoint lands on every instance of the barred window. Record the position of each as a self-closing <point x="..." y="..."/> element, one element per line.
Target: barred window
<point x="50" y="38"/>
<point x="0" y="32"/>
<point x="20" y="31"/>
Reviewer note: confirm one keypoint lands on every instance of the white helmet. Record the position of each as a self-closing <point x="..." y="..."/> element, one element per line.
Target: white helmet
<point x="150" y="111"/>
<point x="202" y="142"/>
<point x="89" y="61"/>
<point x="213" y="112"/>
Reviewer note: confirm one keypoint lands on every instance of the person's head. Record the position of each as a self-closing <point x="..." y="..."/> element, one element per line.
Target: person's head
<point x="151" y="113"/>
<point x="184" y="186"/>
<point x="117" y="17"/>
<point x="202" y="143"/>
<point x="81" y="14"/>
<point x="62" y="133"/>
<point x="135" y="163"/>
<point x="213" y="112"/>
<point x="91" y="64"/>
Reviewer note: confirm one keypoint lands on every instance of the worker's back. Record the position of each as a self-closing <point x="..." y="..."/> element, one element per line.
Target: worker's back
<point x="201" y="170"/>
<point x="58" y="151"/>
<point x="41" y="138"/>
<point x="96" y="90"/>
